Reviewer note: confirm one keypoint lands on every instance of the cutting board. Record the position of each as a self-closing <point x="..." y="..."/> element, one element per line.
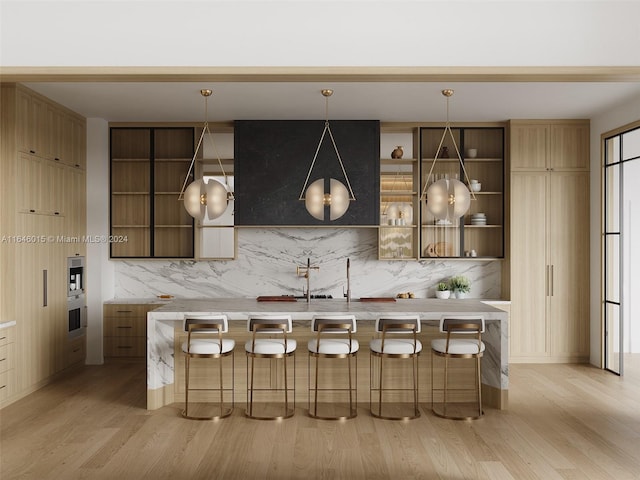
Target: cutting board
<point x="275" y="298"/>
<point x="377" y="299"/>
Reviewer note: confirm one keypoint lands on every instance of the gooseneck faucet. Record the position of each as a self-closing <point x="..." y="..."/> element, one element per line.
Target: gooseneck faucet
<point x="348" y="294"/>
<point x="305" y="271"/>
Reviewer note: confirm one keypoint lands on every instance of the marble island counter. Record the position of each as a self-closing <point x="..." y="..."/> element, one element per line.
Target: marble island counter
<point x="164" y="326"/>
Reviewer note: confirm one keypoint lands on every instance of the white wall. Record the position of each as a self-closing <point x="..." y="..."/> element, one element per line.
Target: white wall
<point x="100" y="272"/>
<point x="607" y="121"/>
<point x="319" y="33"/>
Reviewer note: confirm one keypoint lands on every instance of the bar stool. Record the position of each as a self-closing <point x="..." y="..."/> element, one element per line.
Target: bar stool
<point x="344" y="346"/>
<point x="276" y="347"/>
<point x="472" y="348"/>
<point x="200" y="344"/>
<point x="403" y="343"/>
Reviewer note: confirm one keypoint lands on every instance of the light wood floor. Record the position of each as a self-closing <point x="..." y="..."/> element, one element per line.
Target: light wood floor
<point x="564" y="422"/>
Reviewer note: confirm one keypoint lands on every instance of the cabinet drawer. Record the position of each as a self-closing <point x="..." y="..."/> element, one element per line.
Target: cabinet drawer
<point x="7" y="335"/>
<point x="125" y="327"/>
<point x="125" y="346"/>
<point x="7" y="357"/>
<point x="7" y="383"/>
<point x="75" y="351"/>
<point x="113" y="310"/>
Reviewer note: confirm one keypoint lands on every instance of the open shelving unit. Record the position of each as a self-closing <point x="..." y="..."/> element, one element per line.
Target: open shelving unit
<point x="148" y="168"/>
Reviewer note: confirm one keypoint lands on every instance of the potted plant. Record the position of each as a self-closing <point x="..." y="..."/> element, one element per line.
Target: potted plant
<point x="442" y="291"/>
<point x="460" y="286"/>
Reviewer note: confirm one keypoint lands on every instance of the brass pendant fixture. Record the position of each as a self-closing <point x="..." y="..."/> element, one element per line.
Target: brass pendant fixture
<point x="206" y="199"/>
<point x="315" y="197"/>
<point x="447" y="199"/>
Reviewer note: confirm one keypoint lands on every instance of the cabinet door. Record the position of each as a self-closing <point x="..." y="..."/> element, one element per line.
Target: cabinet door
<point x="29" y="190"/>
<point x="528" y="325"/>
<point x="569" y="261"/>
<point x="529" y="147"/>
<point x="569" y="147"/>
<point x="31" y="122"/>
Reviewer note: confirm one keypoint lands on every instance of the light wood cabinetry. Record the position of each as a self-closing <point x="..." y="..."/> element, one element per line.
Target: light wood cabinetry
<point x="125" y="329"/>
<point x="549" y="145"/>
<point x="549" y="244"/>
<point x="43" y="220"/>
<point x="453" y="238"/>
<point x="148" y="168"/>
<point x="7" y="363"/>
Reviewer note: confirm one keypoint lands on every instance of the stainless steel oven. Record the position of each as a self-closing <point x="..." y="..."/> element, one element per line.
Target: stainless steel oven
<point x="77" y="313"/>
<point x="76" y="303"/>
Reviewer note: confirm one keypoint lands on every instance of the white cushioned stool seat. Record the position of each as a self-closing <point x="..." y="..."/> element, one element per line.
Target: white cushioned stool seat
<point x="208" y="346"/>
<point x="395" y="346"/>
<point x="333" y="346"/>
<point x="458" y="346"/>
<point x="270" y="346"/>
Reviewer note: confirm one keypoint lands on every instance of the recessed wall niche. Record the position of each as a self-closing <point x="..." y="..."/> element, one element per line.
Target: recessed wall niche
<point x="272" y="159"/>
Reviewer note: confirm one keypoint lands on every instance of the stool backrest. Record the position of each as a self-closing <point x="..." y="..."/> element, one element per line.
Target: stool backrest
<point x="270" y="324"/>
<point x="334" y="323"/>
<point x="398" y="324"/>
<point x="205" y="323"/>
<point x="462" y="324"/>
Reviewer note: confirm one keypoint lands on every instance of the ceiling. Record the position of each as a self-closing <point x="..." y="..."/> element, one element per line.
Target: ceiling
<point x="393" y="101"/>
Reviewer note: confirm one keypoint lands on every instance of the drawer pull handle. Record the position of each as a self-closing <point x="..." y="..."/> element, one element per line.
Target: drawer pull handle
<point x="125" y="346"/>
<point x="32" y="151"/>
<point x="3" y="338"/>
<point x="76" y="350"/>
<point x="3" y="359"/>
<point x="124" y="326"/>
<point x="124" y="311"/>
<point x="2" y="386"/>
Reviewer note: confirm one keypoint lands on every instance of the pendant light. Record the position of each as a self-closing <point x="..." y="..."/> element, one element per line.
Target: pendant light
<point x="447" y="199"/>
<point x="316" y="198"/>
<point x="206" y="199"/>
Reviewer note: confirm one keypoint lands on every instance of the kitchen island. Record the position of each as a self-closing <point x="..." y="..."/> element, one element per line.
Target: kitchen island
<point x="164" y="336"/>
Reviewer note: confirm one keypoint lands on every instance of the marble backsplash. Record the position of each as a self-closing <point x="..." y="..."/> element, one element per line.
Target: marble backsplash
<point x="267" y="260"/>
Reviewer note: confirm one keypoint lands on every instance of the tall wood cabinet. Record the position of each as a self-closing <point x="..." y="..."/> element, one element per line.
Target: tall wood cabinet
<point x="549" y="241"/>
<point x="148" y="168"/>
<point x="43" y="218"/>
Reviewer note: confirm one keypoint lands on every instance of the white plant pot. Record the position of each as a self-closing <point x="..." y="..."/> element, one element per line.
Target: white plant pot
<point x="460" y="294"/>
<point x="443" y="295"/>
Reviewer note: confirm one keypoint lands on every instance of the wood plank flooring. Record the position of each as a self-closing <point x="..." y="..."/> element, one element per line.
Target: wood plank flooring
<point x="563" y="422"/>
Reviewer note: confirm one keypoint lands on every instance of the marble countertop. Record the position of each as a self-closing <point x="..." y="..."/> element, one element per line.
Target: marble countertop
<point x="242" y="308"/>
<point x="139" y="301"/>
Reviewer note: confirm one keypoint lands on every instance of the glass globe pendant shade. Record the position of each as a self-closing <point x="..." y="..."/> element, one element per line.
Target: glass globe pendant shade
<point x="339" y="202"/>
<point x="195" y="200"/>
<point x="448" y="199"/>
<point x="206" y="199"/>
<point x="315" y="199"/>
<point x="459" y="199"/>
<point x="217" y="198"/>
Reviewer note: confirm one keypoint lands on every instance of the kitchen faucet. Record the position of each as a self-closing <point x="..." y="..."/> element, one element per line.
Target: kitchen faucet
<point x="305" y="271"/>
<point x="348" y="292"/>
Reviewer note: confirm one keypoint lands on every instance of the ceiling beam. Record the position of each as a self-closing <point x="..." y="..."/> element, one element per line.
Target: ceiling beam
<point x="320" y="74"/>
